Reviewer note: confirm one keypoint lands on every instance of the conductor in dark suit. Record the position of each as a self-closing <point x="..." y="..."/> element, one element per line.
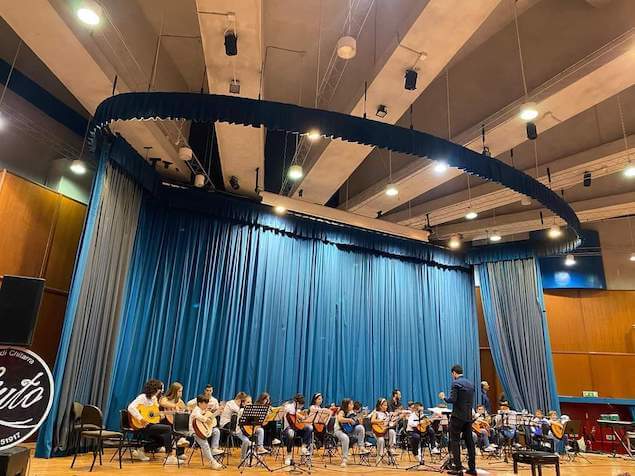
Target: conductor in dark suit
<point x="462" y="400"/>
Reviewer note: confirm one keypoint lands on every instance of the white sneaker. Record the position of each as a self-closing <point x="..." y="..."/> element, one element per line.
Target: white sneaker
<point x="275" y="442"/>
<point x="343" y="463"/>
<point x="161" y="450"/>
<point x="171" y="460"/>
<point x="363" y="451"/>
<point x="181" y="458"/>
<point x="217" y="451"/>
<point x="215" y="464"/>
<point x="287" y="460"/>
<point x="140" y="455"/>
<point x="182" y="442"/>
<point x="490" y="449"/>
<point x="305" y="451"/>
<point x="261" y="450"/>
<point x="435" y="451"/>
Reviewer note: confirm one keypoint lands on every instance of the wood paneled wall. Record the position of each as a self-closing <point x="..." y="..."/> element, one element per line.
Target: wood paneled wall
<point x="41" y="230"/>
<point x="592" y="342"/>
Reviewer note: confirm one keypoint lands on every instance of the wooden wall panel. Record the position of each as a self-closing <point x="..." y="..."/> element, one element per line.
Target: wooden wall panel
<point x="565" y="321"/>
<point x="27" y="214"/>
<point x="614" y="375"/>
<point x="68" y="230"/>
<point x="609" y="317"/>
<point x="573" y="373"/>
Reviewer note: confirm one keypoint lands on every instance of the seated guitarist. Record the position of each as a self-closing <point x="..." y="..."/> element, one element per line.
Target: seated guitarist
<point x="380" y="418"/>
<point x="158" y="434"/>
<point x="201" y="413"/>
<point x="172" y="402"/>
<point x="293" y="425"/>
<point x="318" y="429"/>
<point x="346" y="425"/>
<point x="271" y="428"/>
<point x="233" y="409"/>
<point x="481" y="432"/>
<point x="416" y="434"/>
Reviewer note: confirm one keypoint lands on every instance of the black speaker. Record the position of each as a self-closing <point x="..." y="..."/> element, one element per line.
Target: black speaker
<point x="410" y="82"/>
<point x="20" y="299"/>
<point x="231" y="44"/>
<point x="14" y="461"/>
<point x="532" y="131"/>
<point x="587" y="178"/>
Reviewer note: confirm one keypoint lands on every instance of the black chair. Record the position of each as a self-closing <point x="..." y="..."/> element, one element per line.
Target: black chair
<point x="330" y="441"/>
<point x="91" y="418"/>
<point x="228" y="436"/>
<point x="180" y="429"/>
<point x="536" y="459"/>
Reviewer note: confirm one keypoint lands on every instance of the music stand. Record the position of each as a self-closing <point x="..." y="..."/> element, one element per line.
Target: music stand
<point x="572" y="430"/>
<point x="421" y="465"/>
<point x="253" y="415"/>
<point x="293" y="467"/>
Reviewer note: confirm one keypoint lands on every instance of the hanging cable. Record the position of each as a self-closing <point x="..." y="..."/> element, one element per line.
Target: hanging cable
<point x="520" y="49"/>
<point x="447" y="97"/>
<point x="536" y="156"/>
<point x="621" y="112"/>
<point x="6" y="83"/>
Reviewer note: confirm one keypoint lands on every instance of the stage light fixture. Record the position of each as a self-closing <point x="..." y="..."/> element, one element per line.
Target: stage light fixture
<point x="632" y="258"/>
<point x="234" y="86"/>
<point x="532" y="131"/>
<point x="528" y="111"/>
<point x="89" y="12"/>
<point x="569" y="260"/>
<point x="279" y="209"/>
<point x="295" y="172"/>
<point x="391" y="190"/>
<point x="440" y="167"/>
<point x="347" y="47"/>
<point x="78" y="167"/>
<point x="199" y="180"/>
<point x="471" y="214"/>
<point x="554" y="232"/>
<point x="629" y="171"/>
<point x="185" y="154"/>
<point x="231" y="43"/>
<point x="455" y="242"/>
<point x="314" y="135"/>
<point x="410" y="80"/>
<point x="382" y="111"/>
<point x="234" y="183"/>
<point x="495" y="237"/>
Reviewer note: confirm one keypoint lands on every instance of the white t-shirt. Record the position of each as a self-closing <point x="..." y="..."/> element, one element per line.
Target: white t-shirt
<point x="140" y="400"/>
<point x="413" y="421"/>
<point x="211" y="406"/>
<point x="289" y="409"/>
<point x="197" y="414"/>
<point x="231" y="408"/>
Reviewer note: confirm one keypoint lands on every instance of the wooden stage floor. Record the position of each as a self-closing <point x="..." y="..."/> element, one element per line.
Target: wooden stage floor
<point x="599" y="465"/>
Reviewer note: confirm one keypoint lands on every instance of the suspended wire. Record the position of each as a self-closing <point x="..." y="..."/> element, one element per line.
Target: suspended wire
<point x="6" y="83"/>
<point x="390" y="165"/>
<point x="621" y="112"/>
<point x="520" y="49"/>
<point x="447" y="97"/>
<point x="536" y="156"/>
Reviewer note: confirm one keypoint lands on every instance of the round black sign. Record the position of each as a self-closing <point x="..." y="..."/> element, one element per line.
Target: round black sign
<point x="26" y="394"/>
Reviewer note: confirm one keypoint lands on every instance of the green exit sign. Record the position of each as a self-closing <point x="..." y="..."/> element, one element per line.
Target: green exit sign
<point x="589" y="393"/>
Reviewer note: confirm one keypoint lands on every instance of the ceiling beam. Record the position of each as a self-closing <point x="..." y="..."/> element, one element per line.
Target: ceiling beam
<point x="594" y="79"/>
<point x="594" y="209"/>
<point x="566" y="172"/>
<point x="241" y="148"/>
<point x="426" y="45"/>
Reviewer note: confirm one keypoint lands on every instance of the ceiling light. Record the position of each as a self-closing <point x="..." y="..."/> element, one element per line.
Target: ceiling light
<point x="569" y="260"/>
<point x="231" y="43"/>
<point x="279" y="209"/>
<point x="495" y="237"/>
<point x="78" y="167"/>
<point x="314" y="135"/>
<point x="89" y="12"/>
<point x="410" y="80"/>
<point x="295" y="172"/>
<point x="525" y="201"/>
<point x="471" y="214"/>
<point x="632" y="258"/>
<point x="381" y="111"/>
<point x="3" y="122"/>
<point x="347" y="47"/>
<point x="391" y="190"/>
<point x="234" y="86"/>
<point x="629" y="171"/>
<point x="554" y="232"/>
<point x="528" y="111"/>
<point x="455" y="242"/>
<point x="199" y="180"/>
<point x="440" y="167"/>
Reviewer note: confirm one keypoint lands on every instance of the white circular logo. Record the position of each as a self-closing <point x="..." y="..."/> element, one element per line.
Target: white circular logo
<point x="26" y="394"/>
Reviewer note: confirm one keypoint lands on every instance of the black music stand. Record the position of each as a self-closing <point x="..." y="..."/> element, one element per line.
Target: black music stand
<point x="253" y="415"/>
<point x="572" y="430"/>
<point x="421" y="465"/>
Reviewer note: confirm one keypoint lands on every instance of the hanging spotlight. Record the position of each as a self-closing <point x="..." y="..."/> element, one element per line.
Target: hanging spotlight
<point x="347" y="47"/>
<point x="455" y="242"/>
<point x="314" y="135"/>
<point x="554" y="232"/>
<point x="495" y="237"/>
<point x="78" y="167"/>
<point x="528" y="111"/>
<point x="632" y="258"/>
<point x="295" y="172"/>
<point x="471" y="214"/>
<point x="440" y="167"/>
<point x="382" y="111"/>
<point x="532" y="131"/>
<point x="234" y="86"/>
<point x="629" y="171"/>
<point x="199" y="180"/>
<point x="279" y="209"/>
<point x="185" y="154"/>
<point x="410" y="80"/>
<point x="391" y="190"/>
<point x="231" y="43"/>
<point x="89" y="12"/>
<point x="569" y="260"/>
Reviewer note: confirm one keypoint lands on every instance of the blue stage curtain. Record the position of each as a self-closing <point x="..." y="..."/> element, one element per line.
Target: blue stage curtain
<point x="246" y="307"/>
<point x="513" y="308"/>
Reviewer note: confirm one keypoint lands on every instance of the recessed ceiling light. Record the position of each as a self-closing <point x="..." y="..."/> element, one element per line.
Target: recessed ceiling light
<point x="295" y="172"/>
<point x="440" y="167"/>
<point x="528" y="111"/>
<point x="632" y="258"/>
<point x="471" y="215"/>
<point x="279" y="209"/>
<point x="495" y="237"/>
<point x="629" y="171"/>
<point x="554" y="232"/>
<point x="89" y="12"/>
<point x="455" y="242"/>
<point x="347" y="47"/>
<point x="314" y="135"/>
<point x="569" y="260"/>
<point x="391" y="190"/>
<point x="78" y="167"/>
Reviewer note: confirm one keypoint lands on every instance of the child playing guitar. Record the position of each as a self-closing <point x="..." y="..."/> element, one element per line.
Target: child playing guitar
<point x="203" y="427"/>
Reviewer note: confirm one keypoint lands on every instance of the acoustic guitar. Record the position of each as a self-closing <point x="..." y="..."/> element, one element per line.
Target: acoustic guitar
<point x="296" y="421"/>
<point x="424" y="423"/>
<point x="480" y="424"/>
<point x="150" y="414"/>
<point x="557" y="429"/>
<point x="203" y="429"/>
<point x="380" y="428"/>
